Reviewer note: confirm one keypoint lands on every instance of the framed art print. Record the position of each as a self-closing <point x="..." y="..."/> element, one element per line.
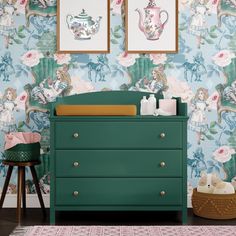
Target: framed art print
<point x="151" y="26"/>
<point x="83" y="26"/>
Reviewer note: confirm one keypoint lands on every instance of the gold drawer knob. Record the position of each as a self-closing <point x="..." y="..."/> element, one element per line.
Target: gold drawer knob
<point x="76" y="193"/>
<point x="163" y="164"/>
<point x="162" y="135"/>
<point x="75" y="135"/>
<point x="76" y="164"/>
<point x="162" y="193"/>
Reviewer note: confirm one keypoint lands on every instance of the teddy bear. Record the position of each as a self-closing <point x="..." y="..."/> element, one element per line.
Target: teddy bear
<point x="211" y="183"/>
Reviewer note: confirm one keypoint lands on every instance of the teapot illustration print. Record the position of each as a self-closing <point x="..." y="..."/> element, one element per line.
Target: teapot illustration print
<point x="151" y="24"/>
<point x="83" y="27"/>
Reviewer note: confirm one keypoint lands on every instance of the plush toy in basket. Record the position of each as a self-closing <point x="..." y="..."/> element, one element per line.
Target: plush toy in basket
<point x="214" y="198"/>
<point x="22" y="147"/>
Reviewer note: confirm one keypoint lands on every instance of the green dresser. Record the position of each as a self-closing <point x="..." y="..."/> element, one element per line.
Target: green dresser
<point x="126" y="163"/>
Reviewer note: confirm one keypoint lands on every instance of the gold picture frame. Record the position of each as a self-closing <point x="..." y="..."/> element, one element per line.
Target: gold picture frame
<point x="150" y="41"/>
<point x="74" y="35"/>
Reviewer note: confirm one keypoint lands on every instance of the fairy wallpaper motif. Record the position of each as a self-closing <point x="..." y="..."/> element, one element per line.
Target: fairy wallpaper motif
<point x="203" y="74"/>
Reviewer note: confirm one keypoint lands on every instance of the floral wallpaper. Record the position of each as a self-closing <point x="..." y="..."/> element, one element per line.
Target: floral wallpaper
<point x="203" y="74"/>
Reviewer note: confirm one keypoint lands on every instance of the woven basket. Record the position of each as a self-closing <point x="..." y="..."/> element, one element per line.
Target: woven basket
<point x="23" y="152"/>
<point x="214" y="206"/>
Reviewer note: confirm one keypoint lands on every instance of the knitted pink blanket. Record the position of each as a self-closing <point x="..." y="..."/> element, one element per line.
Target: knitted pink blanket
<point x="14" y="138"/>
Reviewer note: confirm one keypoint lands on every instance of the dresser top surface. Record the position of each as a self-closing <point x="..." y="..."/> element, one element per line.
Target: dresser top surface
<point x="115" y="98"/>
<point x="137" y="118"/>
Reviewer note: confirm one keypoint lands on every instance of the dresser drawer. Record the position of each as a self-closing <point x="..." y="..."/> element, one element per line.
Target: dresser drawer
<point x="118" y="135"/>
<point x="119" y="163"/>
<point x="119" y="191"/>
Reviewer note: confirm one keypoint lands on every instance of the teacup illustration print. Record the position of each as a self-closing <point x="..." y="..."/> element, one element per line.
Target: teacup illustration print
<point x="82" y="26"/>
<point x="150" y="21"/>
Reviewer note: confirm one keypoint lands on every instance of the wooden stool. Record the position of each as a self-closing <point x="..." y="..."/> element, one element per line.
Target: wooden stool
<point x="21" y="184"/>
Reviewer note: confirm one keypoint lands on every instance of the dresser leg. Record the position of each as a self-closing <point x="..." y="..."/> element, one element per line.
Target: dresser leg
<point x="184" y="216"/>
<point x="52" y="216"/>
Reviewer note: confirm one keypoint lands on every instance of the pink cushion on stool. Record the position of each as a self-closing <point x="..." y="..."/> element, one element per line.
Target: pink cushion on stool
<point x="12" y="139"/>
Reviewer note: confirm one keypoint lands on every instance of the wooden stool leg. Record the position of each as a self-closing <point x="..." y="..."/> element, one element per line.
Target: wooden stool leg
<point x="23" y="189"/>
<point x="4" y="191"/>
<point x="35" y="178"/>
<point x="19" y="192"/>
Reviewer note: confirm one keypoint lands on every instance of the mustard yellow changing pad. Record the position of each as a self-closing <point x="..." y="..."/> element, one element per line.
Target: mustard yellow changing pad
<point x="96" y="110"/>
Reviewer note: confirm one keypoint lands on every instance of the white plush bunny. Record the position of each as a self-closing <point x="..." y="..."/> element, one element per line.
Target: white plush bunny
<point x="207" y="183"/>
<point x="224" y="188"/>
<point x="211" y="183"/>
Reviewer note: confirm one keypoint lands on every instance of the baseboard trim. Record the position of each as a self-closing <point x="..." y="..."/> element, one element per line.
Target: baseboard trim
<point x="33" y="202"/>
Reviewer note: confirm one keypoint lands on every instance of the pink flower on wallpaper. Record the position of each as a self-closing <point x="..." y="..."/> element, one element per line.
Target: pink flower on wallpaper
<point x="62" y="58"/>
<point x="126" y="59"/>
<point x="223" y="154"/>
<point x="213" y="100"/>
<point x="178" y="88"/>
<point x="212" y="6"/>
<point x="81" y="86"/>
<point x="223" y="58"/>
<point x="31" y="58"/>
<point x="20" y="6"/>
<point x="21" y="100"/>
<point x="116" y="6"/>
<point x="158" y="58"/>
<point x="12" y="189"/>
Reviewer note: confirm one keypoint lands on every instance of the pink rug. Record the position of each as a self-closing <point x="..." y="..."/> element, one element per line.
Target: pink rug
<point x="125" y="231"/>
